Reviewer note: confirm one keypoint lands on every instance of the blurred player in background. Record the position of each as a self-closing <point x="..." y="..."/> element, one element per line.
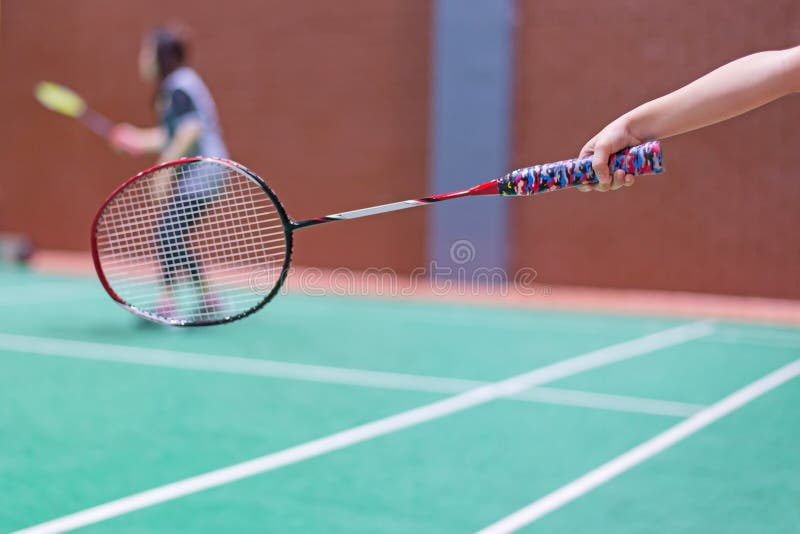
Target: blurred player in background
<point x="189" y="127"/>
<point x="731" y="90"/>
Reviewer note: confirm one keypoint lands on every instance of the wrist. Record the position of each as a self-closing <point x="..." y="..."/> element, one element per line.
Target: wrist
<point x="642" y="123"/>
<point x="631" y="125"/>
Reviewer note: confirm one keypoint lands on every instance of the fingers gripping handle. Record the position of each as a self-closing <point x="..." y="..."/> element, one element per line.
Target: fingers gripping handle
<point x="637" y="160"/>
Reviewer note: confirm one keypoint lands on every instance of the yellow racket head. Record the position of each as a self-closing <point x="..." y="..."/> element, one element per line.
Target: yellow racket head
<point x="59" y="99"/>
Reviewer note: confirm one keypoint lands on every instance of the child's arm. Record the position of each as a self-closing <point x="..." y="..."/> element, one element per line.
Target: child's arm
<point x="731" y="90"/>
<point x="135" y="141"/>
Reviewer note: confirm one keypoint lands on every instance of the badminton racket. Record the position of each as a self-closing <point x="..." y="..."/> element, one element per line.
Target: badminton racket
<point x="65" y="101"/>
<point x="202" y="241"/>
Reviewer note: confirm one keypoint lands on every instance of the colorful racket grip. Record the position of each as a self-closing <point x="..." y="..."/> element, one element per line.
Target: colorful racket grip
<point x="637" y="160"/>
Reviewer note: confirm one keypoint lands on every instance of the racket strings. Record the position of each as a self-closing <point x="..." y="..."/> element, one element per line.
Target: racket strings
<point x="192" y="242"/>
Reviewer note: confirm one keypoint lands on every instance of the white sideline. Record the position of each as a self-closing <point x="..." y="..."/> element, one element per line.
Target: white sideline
<point x="380" y="427"/>
<point x="88" y="350"/>
<point x="85" y="350"/>
<point x="640" y="453"/>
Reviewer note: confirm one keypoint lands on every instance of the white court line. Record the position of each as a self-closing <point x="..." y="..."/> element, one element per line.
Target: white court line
<point x="645" y="451"/>
<point x="380" y="427"/>
<point x="604" y="401"/>
<point x="85" y="350"/>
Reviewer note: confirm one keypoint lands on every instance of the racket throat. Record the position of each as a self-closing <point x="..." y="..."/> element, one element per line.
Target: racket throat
<point x="487" y="188"/>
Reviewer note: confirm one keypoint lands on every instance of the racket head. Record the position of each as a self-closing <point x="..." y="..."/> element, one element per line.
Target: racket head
<point x="192" y="242"/>
<point x="60" y="99"/>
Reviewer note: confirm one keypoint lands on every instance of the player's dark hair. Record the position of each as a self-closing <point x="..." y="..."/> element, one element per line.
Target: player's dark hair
<point x="170" y="49"/>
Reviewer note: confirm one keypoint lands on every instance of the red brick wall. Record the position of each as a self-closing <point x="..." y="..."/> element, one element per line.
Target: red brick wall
<point x="328" y="101"/>
<point x="725" y="217"/>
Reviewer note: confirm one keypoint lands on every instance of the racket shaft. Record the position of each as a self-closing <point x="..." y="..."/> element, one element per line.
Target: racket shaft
<point x="384" y="208"/>
<point x="364" y="212"/>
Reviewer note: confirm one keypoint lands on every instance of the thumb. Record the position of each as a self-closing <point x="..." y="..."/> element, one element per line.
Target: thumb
<point x="588" y="148"/>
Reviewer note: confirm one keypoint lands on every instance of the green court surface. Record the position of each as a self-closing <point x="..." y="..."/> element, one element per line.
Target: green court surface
<point x="95" y="407"/>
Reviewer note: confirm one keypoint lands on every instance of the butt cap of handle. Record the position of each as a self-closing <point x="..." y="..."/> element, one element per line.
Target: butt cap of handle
<point x="638" y="160"/>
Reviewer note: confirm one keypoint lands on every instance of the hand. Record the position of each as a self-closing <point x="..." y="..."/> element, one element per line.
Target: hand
<point x="613" y="138"/>
<point x="126" y="138"/>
